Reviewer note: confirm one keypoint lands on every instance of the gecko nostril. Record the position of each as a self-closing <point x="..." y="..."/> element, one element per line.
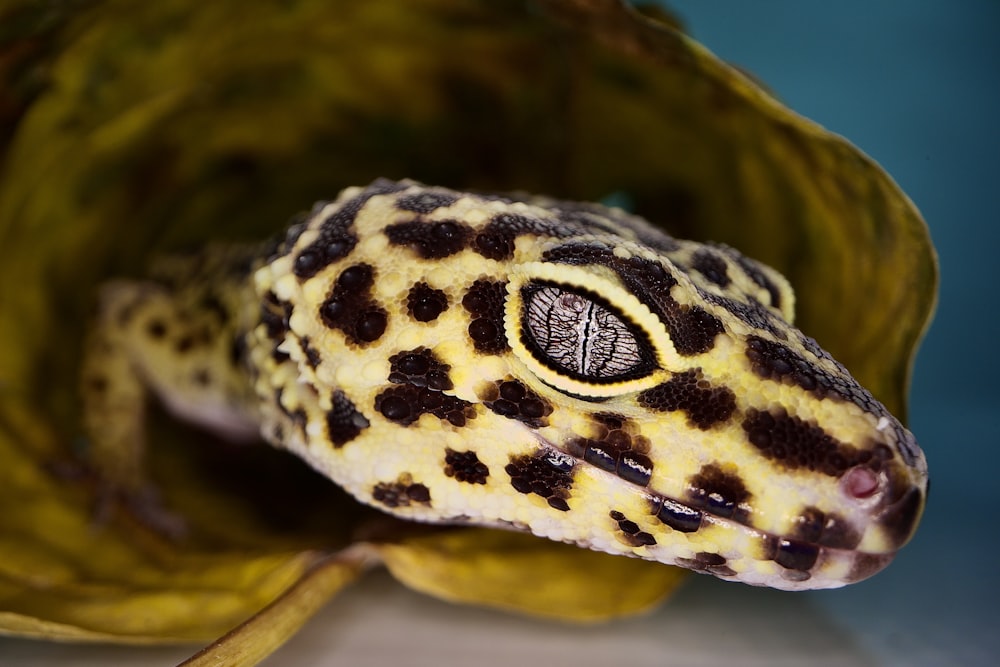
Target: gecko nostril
<point x="860" y="482"/>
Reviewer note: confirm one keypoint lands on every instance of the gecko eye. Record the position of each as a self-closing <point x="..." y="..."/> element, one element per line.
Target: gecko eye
<point x="579" y="334"/>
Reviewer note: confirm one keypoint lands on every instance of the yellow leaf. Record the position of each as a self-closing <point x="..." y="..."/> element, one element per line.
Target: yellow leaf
<point x="530" y="575"/>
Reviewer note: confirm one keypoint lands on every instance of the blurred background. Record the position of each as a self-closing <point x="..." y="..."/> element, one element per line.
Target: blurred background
<point x="914" y="85"/>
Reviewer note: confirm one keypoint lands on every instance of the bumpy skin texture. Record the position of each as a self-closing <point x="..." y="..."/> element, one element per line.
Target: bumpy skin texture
<point x="548" y="366"/>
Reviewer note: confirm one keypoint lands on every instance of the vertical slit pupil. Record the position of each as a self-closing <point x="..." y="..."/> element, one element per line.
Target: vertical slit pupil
<point x="576" y="334"/>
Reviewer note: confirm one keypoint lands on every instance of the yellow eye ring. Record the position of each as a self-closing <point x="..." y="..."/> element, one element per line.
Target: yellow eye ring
<point x="583" y="333"/>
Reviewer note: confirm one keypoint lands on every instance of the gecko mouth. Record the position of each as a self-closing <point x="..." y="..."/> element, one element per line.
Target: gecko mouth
<point x="823" y="554"/>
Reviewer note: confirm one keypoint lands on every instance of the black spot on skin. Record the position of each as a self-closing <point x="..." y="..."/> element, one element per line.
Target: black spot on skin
<point x="515" y="401"/>
<point x="630" y="533"/>
<point x="677" y="516"/>
<point x="496" y="240"/>
<point x="828" y="530"/>
<point x="692" y="329"/>
<point x="484" y="300"/>
<point x="865" y="565"/>
<point x="311" y="354"/>
<point x="210" y="303"/>
<point x="401" y="493"/>
<point x="238" y="351"/>
<point x="615" y="450"/>
<point x="274" y="314"/>
<point x="343" y="421"/>
<point x="184" y="344"/>
<point x="712" y="266"/>
<point x="720" y="493"/>
<point x="156" y="329"/>
<point x="336" y="237"/>
<point x="202" y="377"/>
<point x="813" y="348"/>
<point x="706" y="406"/>
<point x="707" y="562"/>
<point x="465" y="467"/>
<point x="404" y="403"/>
<point x="756" y="274"/>
<point x="297" y="416"/>
<point x="545" y="474"/>
<point x="425" y="202"/>
<point x="424" y="303"/>
<point x="351" y="309"/>
<point x="431" y="240"/>
<point x="752" y="313"/>
<point x="420" y="368"/>
<point x="899" y="519"/>
<point x="297" y="224"/>
<point x="799" y="444"/>
<point x="794" y="555"/>
<point x="97" y="384"/>
<point x="774" y="361"/>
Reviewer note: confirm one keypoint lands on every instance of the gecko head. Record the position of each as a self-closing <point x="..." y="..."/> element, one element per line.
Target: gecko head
<point x="571" y="371"/>
<point x="720" y="437"/>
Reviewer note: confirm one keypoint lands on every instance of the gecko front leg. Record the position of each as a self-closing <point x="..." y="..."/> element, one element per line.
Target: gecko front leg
<point x="179" y="344"/>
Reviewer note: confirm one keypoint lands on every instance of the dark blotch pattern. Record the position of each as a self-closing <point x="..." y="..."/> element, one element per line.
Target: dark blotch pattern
<point x="156" y="329"/>
<point x="898" y="520"/>
<point x="515" y="401"/>
<point x="424" y="303"/>
<point x="828" y="530"/>
<point x="343" y="421"/>
<point x="496" y="240"/>
<point x="677" y="516"/>
<point x="238" y="351"/>
<point x="704" y="405"/>
<point x="692" y="329"/>
<point x="425" y="202"/>
<point x="421" y="368"/>
<point x="404" y="403"/>
<point x="615" y="450"/>
<point x="799" y="444"/>
<point x="707" y="562"/>
<point x="484" y="301"/>
<point x="865" y="565"/>
<point x="311" y="354"/>
<point x="420" y="379"/>
<point x="297" y="416"/>
<point x="752" y="313"/>
<point x="465" y="467"/>
<point x="712" y="266"/>
<point x="545" y="474"/>
<point x="774" y="361"/>
<point x="351" y="309"/>
<point x="753" y="270"/>
<point x="274" y="314"/>
<point x="795" y="555"/>
<point x="336" y="237"/>
<point x="211" y="303"/>
<point x="720" y="493"/>
<point x="431" y="240"/>
<point x="630" y="532"/>
<point x="401" y="493"/>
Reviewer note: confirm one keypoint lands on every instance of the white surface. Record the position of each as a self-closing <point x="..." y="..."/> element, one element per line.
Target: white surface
<point x="378" y="622"/>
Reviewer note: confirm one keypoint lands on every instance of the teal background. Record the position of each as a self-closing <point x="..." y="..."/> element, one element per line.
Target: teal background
<point x="916" y="85"/>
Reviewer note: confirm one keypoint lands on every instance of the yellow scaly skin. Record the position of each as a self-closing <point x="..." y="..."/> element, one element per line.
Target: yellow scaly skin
<point x="553" y="367"/>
